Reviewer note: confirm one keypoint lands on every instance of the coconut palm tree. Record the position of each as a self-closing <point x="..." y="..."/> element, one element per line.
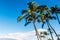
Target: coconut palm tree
<point x="42" y="8"/>
<point x="50" y="29"/>
<point x="46" y="16"/>
<point x="30" y="16"/>
<point x="55" y="10"/>
<point x="41" y="14"/>
<point x="43" y="34"/>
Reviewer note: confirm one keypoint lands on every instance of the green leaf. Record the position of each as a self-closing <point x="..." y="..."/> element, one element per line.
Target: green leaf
<point x="20" y="17"/>
<point x="49" y="29"/>
<point x="23" y="11"/>
<point x="41" y="17"/>
<point x="43" y="24"/>
<point x="52" y="17"/>
<point x="49" y="39"/>
<point x="42" y="36"/>
<point x="45" y="33"/>
<point x="27" y="23"/>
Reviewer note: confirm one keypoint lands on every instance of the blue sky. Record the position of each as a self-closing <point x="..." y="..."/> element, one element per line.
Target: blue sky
<point x="11" y="9"/>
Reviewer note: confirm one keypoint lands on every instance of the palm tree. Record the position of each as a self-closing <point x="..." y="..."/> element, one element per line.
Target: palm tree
<point x="30" y="16"/>
<point x="35" y="12"/>
<point x="55" y="10"/>
<point x="42" y="8"/>
<point x="41" y="15"/>
<point x="50" y="29"/>
<point x="43" y="34"/>
<point x="46" y="17"/>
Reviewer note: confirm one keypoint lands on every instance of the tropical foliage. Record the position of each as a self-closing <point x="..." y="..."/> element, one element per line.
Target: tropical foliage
<point x="40" y="13"/>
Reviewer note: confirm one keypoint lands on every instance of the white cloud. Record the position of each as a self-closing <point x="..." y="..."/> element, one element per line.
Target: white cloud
<point x="21" y="35"/>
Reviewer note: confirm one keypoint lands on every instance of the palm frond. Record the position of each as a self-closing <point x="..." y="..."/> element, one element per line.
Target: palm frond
<point x="42" y="36"/>
<point x="30" y="3"/>
<point x="54" y="9"/>
<point x="39" y="20"/>
<point x="45" y="33"/>
<point x="20" y="17"/>
<point x="27" y="23"/>
<point x="43" y="24"/>
<point x="58" y="10"/>
<point x="49" y="39"/>
<point x="40" y="17"/>
<point x="52" y="17"/>
<point x="23" y="11"/>
<point x="41" y="6"/>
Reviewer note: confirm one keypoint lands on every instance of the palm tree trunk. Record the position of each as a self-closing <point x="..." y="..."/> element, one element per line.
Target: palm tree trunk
<point x="49" y="30"/>
<point x="51" y="35"/>
<point x="38" y="37"/>
<point x="57" y="18"/>
<point x="53" y="29"/>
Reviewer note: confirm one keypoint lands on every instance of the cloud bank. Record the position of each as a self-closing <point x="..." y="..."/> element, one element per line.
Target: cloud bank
<point x="21" y="35"/>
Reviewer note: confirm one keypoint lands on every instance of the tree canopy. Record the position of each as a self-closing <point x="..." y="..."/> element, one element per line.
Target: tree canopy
<point x="40" y="13"/>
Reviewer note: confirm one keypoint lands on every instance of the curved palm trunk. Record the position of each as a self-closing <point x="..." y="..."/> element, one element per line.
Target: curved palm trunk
<point x="49" y="30"/>
<point x="58" y="38"/>
<point x="38" y="37"/>
<point x="43" y="24"/>
<point x="53" y="29"/>
<point x="51" y="33"/>
<point x="57" y="18"/>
